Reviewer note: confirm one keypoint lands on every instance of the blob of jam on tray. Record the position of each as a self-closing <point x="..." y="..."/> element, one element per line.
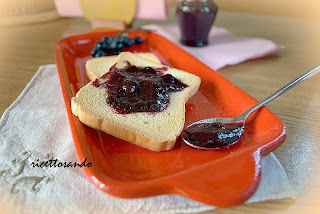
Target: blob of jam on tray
<point x="138" y="89"/>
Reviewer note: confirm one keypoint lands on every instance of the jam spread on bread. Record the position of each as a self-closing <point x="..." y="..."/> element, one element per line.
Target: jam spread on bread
<point x="138" y="89"/>
<point x="213" y="135"/>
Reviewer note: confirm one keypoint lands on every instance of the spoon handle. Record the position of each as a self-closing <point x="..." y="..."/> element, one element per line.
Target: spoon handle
<point x="304" y="76"/>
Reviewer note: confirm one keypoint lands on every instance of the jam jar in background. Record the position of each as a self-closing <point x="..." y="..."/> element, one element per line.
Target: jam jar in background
<point x="195" y="18"/>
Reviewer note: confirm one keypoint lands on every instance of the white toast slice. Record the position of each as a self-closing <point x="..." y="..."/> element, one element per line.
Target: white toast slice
<point x="154" y="131"/>
<point x="96" y="67"/>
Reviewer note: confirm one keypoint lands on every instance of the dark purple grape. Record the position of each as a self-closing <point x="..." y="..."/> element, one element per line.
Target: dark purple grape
<point x="113" y="44"/>
<point x="131" y="42"/>
<point x="94" y="51"/>
<point x="116" y="52"/>
<point x="119" y="45"/>
<point x="124" y="38"/>
<point x="100" y="53"/>
<point x="98" y="44"/>
<point x="105" y="39"/>
<point x="105" y="47"/>
<point x="125" y="43"/>
<point x="138" y="40"/>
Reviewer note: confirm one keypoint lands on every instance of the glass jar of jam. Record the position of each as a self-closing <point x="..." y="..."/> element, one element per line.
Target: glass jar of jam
<point x="195" y="18"/>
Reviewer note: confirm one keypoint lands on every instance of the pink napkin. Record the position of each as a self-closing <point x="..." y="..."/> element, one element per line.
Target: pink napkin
<point x="155" y="9"/>
<point x="224" y="47"/>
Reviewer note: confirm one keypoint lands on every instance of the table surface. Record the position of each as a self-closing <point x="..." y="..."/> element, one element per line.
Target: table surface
<point x="25" y="48"/>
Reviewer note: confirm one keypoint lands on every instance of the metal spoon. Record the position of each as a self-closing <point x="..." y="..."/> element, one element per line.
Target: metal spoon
<point x="214" y="133"/>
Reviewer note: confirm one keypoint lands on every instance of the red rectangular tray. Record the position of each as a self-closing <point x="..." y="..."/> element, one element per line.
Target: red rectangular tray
<point x="223" y="178"/>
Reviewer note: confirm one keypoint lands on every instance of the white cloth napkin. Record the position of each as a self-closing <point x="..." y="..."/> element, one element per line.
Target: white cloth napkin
<point x="36" y="126"/>
<point x="224" y="48"/>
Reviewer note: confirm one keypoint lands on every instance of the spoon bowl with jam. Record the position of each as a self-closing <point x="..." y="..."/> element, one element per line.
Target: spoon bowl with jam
<point x="215" y="133"/>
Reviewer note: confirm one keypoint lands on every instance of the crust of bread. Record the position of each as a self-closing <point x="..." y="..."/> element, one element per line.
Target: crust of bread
<point x="96" y="67"/>
<point x="136" y="132"/>
<point x="121" y="132"/>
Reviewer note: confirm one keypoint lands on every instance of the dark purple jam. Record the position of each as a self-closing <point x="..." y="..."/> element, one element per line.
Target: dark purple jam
<point x="213" y="135"/>
<point x="135" y="89"/>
